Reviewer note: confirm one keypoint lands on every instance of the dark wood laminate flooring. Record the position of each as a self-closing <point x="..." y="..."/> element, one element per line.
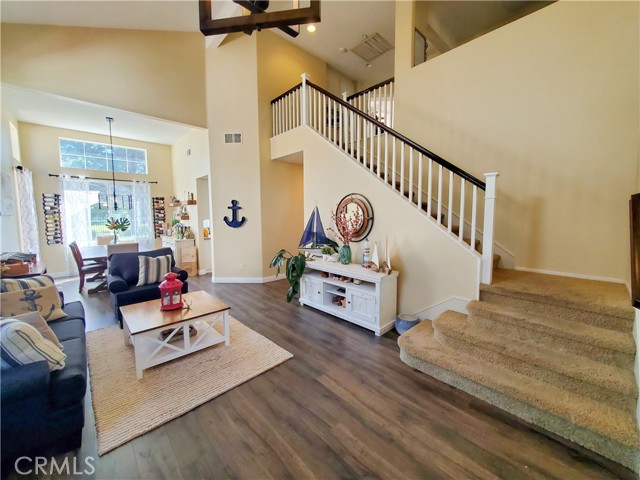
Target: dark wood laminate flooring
<point x="344" y="407"/>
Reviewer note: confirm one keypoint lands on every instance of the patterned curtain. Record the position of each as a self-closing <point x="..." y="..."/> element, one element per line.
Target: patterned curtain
<point x="142" y="222"/>
<point x="76" y="214"/>
<point x="27" y="212"/>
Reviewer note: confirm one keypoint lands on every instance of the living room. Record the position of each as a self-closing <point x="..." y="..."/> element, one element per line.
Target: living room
<point x="344" y="404"/>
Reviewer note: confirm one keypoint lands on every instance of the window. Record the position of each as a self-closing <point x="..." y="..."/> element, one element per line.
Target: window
<point x="101" y="207"/>
<point x="97" y="156"/>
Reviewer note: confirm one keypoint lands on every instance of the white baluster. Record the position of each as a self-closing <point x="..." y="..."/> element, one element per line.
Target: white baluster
<point x="473" y="216"/>
<point x="287" y="106"/>
<point x="487" y="234"/>
<point x="371" y="147"/>
<point x="335" y="122"/>
<point x="419" y="202"/>
<point x="379" y="153"/>
<point x="296" y="112"/>
<point x="273" y="119"/>
<point x="391" y="105"/>
<point x="304" y="106"/>
<point x="351" y="133"/>
<point x="393" y="163"/>
<point x="365" y="128"/>
<point x="386" y="157"/>
<point x="411" y="174"/>
<point x="358" y="137"/>
<point x="450" y="207"/>
<point x="402" y="168"/>
<point x="439" y="219"/>
<point x="430" y="179"/>
<point x="461" y="222"/>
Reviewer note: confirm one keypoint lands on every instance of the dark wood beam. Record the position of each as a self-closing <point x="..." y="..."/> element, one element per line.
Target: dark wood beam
<point x="253" y="8"/>
<point x="256" y="21"/>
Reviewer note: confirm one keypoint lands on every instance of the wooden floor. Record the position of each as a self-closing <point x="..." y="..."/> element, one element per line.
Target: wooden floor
<point x="344" y="406"/>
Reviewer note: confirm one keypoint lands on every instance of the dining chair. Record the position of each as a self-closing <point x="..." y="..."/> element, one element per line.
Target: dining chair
<point x="87" y="267"/>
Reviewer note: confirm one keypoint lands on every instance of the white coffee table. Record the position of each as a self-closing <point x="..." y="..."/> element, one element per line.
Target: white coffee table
<point x="144" y="323"/>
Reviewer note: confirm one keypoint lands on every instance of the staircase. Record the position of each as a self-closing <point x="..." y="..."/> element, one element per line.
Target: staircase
<point x="555" y="351"/>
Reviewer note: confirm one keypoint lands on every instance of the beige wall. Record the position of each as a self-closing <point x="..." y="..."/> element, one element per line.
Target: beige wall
<point x="554" y="110"/>
<point x="40" y="154"/>
<point x="337" y="83"/>
<point x="433" y="269"/>
<point x="280" y="65"/>
<point x="232" y="107"/>
<point x="160" y="74"/>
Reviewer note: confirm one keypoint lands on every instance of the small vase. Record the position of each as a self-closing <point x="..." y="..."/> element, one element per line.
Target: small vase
<point x="115" y="237"/>
<point x="345" y="254"/>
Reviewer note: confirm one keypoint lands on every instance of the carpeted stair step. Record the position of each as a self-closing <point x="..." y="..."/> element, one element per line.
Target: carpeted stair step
<point x="607" y="346"/>
<point x="601" y="304"/>
<point x="601" y="428"/>
<point x="578" y="374"/>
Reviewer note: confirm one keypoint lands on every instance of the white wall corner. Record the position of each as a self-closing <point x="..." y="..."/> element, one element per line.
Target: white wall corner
<point x="636" y="367"/>
<point x="456" y="304"/>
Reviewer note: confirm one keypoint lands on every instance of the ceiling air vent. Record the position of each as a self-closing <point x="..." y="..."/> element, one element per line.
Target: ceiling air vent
<point x="232" y="138"/>
<point x="371" y="47"/>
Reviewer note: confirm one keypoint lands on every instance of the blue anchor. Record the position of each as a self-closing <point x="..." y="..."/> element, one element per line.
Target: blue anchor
<point x="235" y="223"/>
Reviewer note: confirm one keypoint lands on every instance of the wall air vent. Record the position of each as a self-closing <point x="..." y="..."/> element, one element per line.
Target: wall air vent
<point x="371" y="47"/>
<point x="232" y="138"/>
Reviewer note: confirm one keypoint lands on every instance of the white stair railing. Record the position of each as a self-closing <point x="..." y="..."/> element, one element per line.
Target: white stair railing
<point x="375" y="101"/>
<point x="429" y="182"/>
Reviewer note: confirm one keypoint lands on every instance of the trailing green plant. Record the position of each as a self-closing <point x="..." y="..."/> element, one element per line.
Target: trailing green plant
<point x="294" y="268"/>
<point x="326" y="250"/>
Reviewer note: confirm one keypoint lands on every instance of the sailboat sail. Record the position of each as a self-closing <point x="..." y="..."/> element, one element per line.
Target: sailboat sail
<point x="313" y="234"/>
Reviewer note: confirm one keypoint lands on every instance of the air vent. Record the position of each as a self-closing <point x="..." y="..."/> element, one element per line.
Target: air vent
<point x="232" y="138"/>
<point x="371" y="47"/>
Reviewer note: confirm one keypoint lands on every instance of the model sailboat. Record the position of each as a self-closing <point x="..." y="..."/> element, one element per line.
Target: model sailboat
<point x="313" y="236"/>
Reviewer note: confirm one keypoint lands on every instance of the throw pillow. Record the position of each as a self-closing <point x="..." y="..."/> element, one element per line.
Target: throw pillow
<point x="153" y="269"/>
<point x="44" y="300"/>
<point x="21" y="344"/>
<point x="36" y="321"/>
<point x="14" y="284"/>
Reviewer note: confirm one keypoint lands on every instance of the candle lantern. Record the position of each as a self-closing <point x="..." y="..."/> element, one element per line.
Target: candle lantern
<point x="170" y="292"/>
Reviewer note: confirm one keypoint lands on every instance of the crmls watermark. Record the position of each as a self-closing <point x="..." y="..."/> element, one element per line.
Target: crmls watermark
<point x="47" y="466"/>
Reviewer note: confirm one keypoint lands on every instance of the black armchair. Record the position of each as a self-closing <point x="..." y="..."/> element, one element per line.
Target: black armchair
<point x="123" y="278"/>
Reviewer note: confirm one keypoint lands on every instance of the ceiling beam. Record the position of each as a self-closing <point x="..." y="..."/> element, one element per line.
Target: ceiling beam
<point x="256" y="21"/>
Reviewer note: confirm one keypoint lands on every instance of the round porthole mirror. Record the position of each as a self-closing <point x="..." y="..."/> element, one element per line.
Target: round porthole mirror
<point x="353" y="205"/>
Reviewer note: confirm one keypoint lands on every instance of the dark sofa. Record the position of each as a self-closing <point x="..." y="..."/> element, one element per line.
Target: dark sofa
<point x="43" y="412"/>
<point x="123" y="277"/>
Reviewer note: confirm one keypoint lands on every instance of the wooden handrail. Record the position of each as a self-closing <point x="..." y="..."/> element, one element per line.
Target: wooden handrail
<point x="367" y="90"/>
<point x="292" y="89"/>
<point x="438" y="159"/>
<point x="634" y="219"/>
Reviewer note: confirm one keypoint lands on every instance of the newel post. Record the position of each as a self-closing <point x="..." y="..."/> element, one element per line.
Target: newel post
<point x="489" y="220"/>
<point x="304" y="99"/>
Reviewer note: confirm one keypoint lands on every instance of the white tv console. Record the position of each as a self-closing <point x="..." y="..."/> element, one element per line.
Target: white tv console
<point x="370" y="304"/>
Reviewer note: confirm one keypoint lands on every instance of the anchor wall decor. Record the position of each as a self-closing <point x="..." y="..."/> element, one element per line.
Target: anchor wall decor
<point x="234" y="222"/>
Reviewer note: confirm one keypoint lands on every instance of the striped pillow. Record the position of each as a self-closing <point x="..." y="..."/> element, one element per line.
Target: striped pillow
<point x="21" y="344"/>
<point x="13" y="284"/>
<point x="153" y="269"/>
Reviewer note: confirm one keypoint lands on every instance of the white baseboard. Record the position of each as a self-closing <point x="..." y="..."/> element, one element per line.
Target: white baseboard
<point x="453" y="303"/>
<point x="272" y="278"/>
<point x="572" y="275"/>
<point x="204" y="271"/>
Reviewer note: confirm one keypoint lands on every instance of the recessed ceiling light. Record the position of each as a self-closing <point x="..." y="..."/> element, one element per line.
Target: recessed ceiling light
<point x="368" y="65"/>
<point x="311" y="28"/>
<point x="343" y="50"/>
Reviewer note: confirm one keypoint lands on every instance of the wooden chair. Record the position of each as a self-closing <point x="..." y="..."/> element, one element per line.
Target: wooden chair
<point x="87" y="268"/>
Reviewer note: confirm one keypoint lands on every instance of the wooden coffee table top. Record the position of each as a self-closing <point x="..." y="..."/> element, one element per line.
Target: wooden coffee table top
<point x="145" y="316"/>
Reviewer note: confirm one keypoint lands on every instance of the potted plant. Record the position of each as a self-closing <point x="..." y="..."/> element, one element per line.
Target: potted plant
<point x="117" y="225"/>
<point x="294" y="269"/>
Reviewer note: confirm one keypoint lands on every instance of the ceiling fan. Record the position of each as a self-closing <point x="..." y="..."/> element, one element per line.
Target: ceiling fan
<point x="258" y="18"/>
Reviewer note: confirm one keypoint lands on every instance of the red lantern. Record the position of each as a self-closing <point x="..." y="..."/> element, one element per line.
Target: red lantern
<point x="170" y="292"/>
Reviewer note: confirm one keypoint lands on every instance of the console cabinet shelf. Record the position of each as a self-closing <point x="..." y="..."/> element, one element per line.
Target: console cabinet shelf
<point x="371" y="303"/>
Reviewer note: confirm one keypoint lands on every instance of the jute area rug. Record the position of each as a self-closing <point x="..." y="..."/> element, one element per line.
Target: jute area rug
<point x="126" y="408"/>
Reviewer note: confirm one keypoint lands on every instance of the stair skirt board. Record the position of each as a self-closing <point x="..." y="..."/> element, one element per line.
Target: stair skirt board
<point x="607" y="447"/>
<point x="455" y="304"/>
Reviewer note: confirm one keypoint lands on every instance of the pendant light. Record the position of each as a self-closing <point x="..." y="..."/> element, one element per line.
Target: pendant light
<point x="113" y="170"/>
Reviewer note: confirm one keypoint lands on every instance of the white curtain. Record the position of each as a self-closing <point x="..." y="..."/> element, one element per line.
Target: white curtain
<point x="142" y="222"/>
<point x="27" y="212"/>
<point x="76" y="215"/>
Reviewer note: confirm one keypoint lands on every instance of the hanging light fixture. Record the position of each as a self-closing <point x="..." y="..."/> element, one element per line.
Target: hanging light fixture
<point x="113" y="170"/>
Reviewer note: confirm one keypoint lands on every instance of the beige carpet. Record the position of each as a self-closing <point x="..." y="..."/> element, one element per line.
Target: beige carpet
<point x="555" y="351"/>
<point x="126" y="408"/>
